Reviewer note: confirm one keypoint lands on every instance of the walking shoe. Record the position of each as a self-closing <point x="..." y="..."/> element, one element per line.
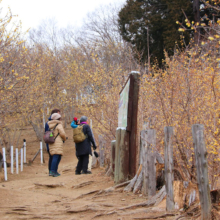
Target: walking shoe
<point x="77" y="173"/>
<point x="56" y="174"/>
<point x="87" y="172"/>
<point x="50" y="173"/>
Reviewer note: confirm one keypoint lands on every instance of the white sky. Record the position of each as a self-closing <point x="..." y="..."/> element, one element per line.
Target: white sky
<point x="65" y="12"/>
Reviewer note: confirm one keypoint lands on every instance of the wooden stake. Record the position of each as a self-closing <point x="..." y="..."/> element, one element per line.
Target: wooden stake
<point x="144" y="161"/>
<point x="169" y="167"/>
<point x="143" y="144"/>
<point x="151" y="162"/>
<point x="101" y="151"/>
<point x="113" y="145"/>
<point x="121" y="156"/>
<point x="132" y="126"/>
<point x="202" y="170"/>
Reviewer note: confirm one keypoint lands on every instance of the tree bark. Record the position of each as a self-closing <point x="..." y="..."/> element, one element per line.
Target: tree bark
<point x="196" y="13"/>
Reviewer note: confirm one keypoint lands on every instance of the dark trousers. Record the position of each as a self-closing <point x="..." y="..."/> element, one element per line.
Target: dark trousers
<point x="55" y="162"/>
<point x="82" y="163"/>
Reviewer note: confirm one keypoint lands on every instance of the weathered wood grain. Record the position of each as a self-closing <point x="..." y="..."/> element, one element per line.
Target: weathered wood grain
<point x="202" y="170"/>
<point x="169" y="168"/>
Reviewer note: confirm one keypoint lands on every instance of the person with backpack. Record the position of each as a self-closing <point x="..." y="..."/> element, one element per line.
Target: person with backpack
<point x="47" y="145"/>
<point x="83" y="138"/>
<point x="74" y="123"/>
<point x="56" y="149"/>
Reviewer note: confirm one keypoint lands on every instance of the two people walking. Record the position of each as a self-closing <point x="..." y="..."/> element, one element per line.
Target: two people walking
<point x="83" y="148"/>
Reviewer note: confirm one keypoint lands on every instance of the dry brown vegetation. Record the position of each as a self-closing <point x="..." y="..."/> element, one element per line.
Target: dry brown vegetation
<point x="82" y="73"/>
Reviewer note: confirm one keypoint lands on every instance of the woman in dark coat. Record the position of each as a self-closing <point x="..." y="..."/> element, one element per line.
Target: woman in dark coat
<point x="83" y="149"/>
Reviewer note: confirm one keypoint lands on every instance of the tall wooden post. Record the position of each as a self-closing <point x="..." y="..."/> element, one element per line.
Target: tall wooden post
<point x="121" y="156"/>
<point x="202" y="170"/>
<point x="151" y="161"/>
<point x="113" y="145"/>
<point x="101" y="151"/>
<point x="132" y="121"/>
<point x="169" y="167"/>
<point x="143" y="144"/>
<point x="143" y="160"/>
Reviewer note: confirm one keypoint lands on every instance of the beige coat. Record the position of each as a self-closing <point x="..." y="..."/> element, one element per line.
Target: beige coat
<point x="57" y="146"/>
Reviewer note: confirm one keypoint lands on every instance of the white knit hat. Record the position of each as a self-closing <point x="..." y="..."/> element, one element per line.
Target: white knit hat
<point x="55" y="116"/>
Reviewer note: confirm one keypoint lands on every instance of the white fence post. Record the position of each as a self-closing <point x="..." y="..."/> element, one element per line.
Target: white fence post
<point x="41" y="152"/>
<point x="17" y="171"/>
<point x="24" y="151"/>
<point x="22" y="159"/>
<point x="5" y="165"/>
<point x="12" y="160"/>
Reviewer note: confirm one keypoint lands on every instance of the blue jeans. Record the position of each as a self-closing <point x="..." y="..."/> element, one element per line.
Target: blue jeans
<point x="55" y="162"/>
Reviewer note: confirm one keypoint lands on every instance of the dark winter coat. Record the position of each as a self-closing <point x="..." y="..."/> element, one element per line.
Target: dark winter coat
<point x="84" y="147"/>
<point x="47" y="129"/>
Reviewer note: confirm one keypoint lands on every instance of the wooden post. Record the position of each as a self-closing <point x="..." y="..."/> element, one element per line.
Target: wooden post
<point x="132" y="121"/>
<point x="143" y="160"/>
<point x="113" y="145"/>
<point x="169" y="168"/>
<point x="202" y="170"/>
<point x="35" y="156"/>
<point x="121" y="156"/>
<point x="101" y="151"/>
<point x="151" y="162"/>
<point x="143" y="144"/>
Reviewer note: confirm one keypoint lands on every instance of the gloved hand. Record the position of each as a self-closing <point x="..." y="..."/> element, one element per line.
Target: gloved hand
<point x="94" y="147"/>
<point x="96" y="154"/>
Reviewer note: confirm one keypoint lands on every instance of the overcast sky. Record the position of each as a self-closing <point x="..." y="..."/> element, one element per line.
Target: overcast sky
<point x="65" y="12"/>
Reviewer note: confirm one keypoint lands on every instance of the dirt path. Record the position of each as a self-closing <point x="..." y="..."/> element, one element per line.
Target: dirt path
<point x="34" y="195"/>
